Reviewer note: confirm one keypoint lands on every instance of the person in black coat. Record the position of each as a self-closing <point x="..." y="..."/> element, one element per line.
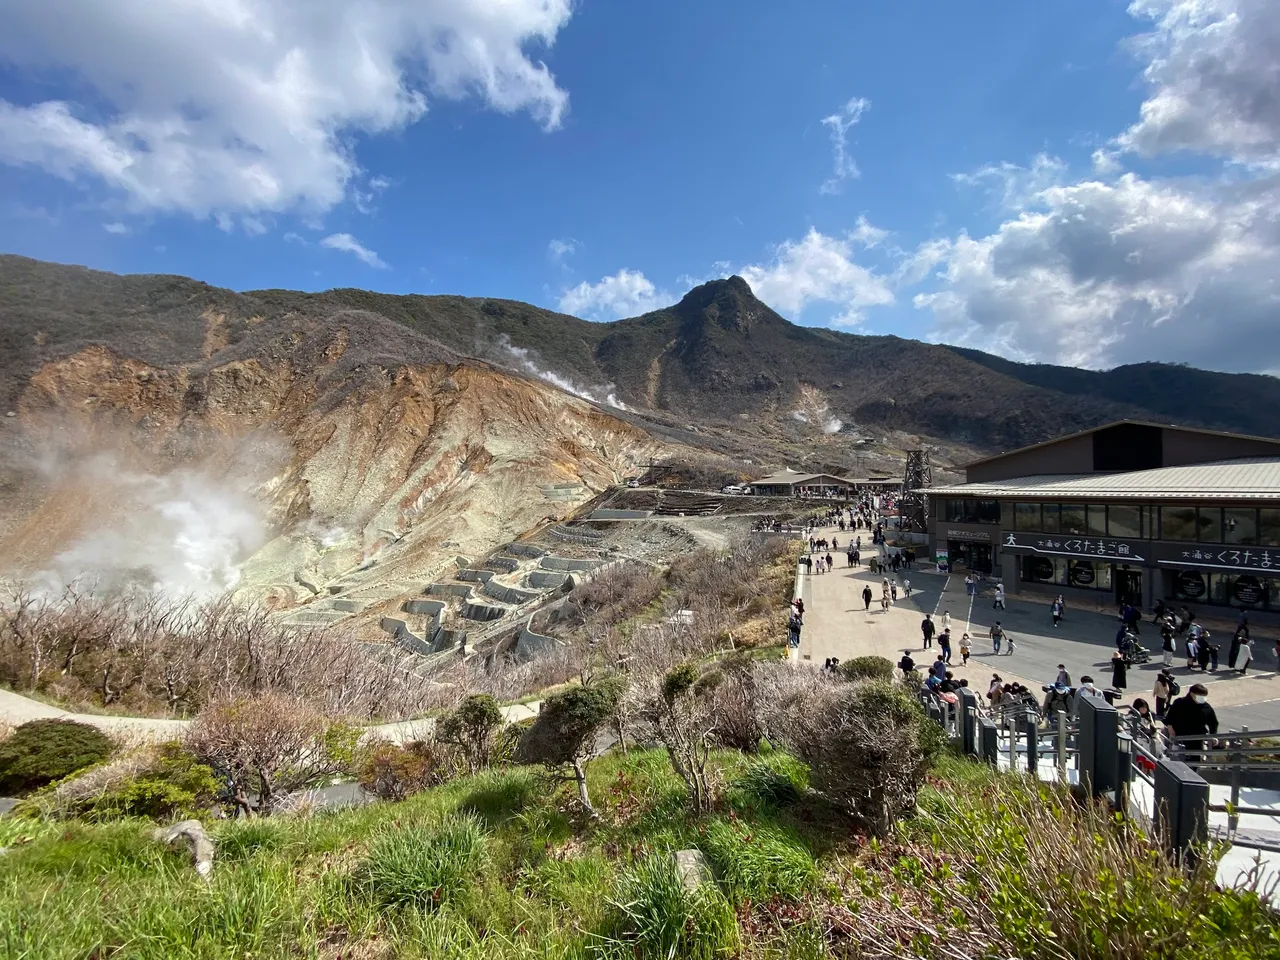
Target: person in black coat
<point x="1192" y="715"/>
<point x="1119" y="671"/>
<point x="866" y="597"/>
<point x="906" y="664"/>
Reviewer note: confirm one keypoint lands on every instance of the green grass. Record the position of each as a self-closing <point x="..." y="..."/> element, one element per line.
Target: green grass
<point x="503" y="866"/>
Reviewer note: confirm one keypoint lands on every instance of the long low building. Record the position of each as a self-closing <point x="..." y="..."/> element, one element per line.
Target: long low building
<point x="790" y="483"/>
<point x="1135" y="511"/>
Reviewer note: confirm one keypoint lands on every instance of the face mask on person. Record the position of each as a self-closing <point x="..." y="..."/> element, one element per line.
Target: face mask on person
<point x="1200" y="699"/>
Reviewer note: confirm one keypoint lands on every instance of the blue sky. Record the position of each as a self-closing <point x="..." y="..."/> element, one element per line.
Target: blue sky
<point x="1078" y="181"/>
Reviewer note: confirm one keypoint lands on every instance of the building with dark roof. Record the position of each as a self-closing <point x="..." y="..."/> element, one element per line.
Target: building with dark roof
<point x="1131" y="511"/>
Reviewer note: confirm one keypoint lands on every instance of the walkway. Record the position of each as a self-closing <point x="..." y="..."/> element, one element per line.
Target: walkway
<point x="838" y="625"/>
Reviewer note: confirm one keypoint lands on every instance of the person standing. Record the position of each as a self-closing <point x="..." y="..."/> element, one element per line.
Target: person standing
<point x="995" y="689"/>
<point x="1165" y="689"/>
<point x="1057" y="608"/>
<point x="1192" y="716"/>
<point x="1204" y="651"/>
<point x="1167" y="642"/>
<point x="1119" y="671"/>
<point x="997" y="637"/>
<point x="968" y="584"/>
<point x="927" y="628"/>
<point x="998" y="604"/>
<point x="939" y="668"/>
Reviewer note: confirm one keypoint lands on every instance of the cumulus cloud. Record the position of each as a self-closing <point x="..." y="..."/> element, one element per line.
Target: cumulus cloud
<point x="821" y="269"/>
<point x="839" y="124"/>
<point x="1213" y="68"/>
<point x="1120" y="267"/>
<point x="625" y="294"/>
<point x="346" y="243"/>
<point x="253" y="106"/>
<point x="1097" y="273"/>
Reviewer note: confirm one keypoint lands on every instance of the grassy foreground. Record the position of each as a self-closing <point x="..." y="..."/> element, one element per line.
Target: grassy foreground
<point x="501" y="865"/>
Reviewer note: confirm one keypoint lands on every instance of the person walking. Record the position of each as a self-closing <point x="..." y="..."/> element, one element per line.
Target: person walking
<point x="1192" y="716"/>
<point x="1245" y="655"/>
<point x="1057" y="608"/>
<point x="969" y="584"/>
<point x="867" y="597"/>
<point x="997" y="637"/>
<point x="1165" y="689"/>
<point x="1008" y="641"/>
<point x="884" y="595"/>
<point x="893" y="590"/>
<point x="939" y="668"/>
<point x="944" y="644"/>
<point x="1119" y="671"/>
<point x="995" y="689"/>
<point x="906" y="664"/>
<point x="1063" y="677"/>
<point x="927" y="628"/>
<point x="906" y="587"/>
<point x="998" y="603"/>
<point x="1204" y="653"/>
<point x="964" y="649"/>
<point x="1168" y="642"/>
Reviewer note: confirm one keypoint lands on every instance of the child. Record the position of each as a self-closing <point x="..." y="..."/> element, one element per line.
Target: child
<point x="964" y="649"/>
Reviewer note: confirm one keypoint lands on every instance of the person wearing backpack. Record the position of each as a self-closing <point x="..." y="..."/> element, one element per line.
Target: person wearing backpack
<point x="1166" y="688"/>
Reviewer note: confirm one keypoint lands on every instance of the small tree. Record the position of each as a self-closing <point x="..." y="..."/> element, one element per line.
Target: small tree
<point x="683" y="718"/>
<point x="392" y="772"/>
<point x="566" y="730"/>
<point x="269" y="746"/>
<point x="473" y="728"/>
<point x="734" y="701"/>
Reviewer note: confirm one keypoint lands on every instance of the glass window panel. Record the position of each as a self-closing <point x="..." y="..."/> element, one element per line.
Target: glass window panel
<point x="1006" y="515"/>
<point x="1103" y="581"/>
<point x="1269" y="527"/>
<point x="1124" y="521"/>
<point x="1060" y="570"/>
<point x="1178" y="523"/>
<point x="1072" y="518"/>
<point x="1049" y="517"/>
<point x="954" y="508"/>
<point x="1097" y="516"/>
<point x="1240" y="525"/>
<point x="1027" y="516"/>
<point x="1210" y="525"/>
<point x="988" y="511"/>
<point x="1220" y="588"/>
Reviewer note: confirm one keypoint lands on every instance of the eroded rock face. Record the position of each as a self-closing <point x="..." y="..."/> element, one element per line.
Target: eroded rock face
<point x="354" y="459"/>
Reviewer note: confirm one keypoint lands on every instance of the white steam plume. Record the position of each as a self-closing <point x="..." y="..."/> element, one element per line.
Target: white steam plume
<point x="525" y="360"/>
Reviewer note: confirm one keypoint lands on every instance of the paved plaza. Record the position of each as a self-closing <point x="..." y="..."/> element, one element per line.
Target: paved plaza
<point x="836" y="624"/>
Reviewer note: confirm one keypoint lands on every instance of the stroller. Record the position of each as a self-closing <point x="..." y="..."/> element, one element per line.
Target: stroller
<point x="1132" y="651"/>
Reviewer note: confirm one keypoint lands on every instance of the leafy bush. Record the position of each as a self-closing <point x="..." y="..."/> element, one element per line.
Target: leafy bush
<point x="424" y="866"/>
<point x="392" y="772"/>
<point x="173" y="786"/>
<point x="867" y="668"/>
<point x="758" y="862"/>
<point x="42" y="751"/>
<point x="656" y="918"/>
<point x="473" y="728"/>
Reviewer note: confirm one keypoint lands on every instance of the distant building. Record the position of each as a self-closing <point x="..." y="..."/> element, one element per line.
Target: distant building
<point x="792" y="484"/>
<point x="1131" y="510"/>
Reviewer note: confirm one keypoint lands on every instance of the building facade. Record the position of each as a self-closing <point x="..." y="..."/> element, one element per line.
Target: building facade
<point x="1130" y="511"/>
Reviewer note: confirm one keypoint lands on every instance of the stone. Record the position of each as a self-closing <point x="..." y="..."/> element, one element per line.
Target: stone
<point x="692" y="868"/>
<point x="198" y="842"/>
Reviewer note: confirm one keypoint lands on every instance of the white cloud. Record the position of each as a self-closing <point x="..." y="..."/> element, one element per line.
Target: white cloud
<point x="117" y="228"/>
<point x="1213" y="68"/>
<point x="818" y="269"/>
<point x="844" y="167"/>
<point x="866" y="234"/>
<point x="1095" y="274"/>
<point x="627" y="293"/>
<point x="558" y="248"/>
<point x="349" y="244"/>
<point x="253" y="106"/>
<point x="292" y="237"/>
<point x="1013" y="185"/>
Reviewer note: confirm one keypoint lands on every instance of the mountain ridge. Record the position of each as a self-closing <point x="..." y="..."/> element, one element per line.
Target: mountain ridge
<point x="718" y="355"/>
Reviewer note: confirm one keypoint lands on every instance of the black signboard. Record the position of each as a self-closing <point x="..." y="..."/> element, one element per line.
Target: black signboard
<point x="1218" y="557"/>
<point x="1082" y="573"/>
<point x="1122" y="551"/>
<point x="1248" y="590"/>
<point x="1191" y="584"/>
<point x="1042" y="569"/>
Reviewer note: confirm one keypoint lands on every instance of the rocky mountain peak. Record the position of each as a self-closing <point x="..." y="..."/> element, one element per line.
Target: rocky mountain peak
<point x="728" y="303"/>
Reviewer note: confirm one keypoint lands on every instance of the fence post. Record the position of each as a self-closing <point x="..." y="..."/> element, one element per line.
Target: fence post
<point x="989" y="745"/>
<point x="1124" y="772"/>
<point x="1181" y="808"/>
<point x="968" y="713"/>
<point x="1060" y="743"/>
<point x="1099" y="728"/>
<point x="1011" y="731"/>
<point x="1237" y="760"/>
<point x="1032" y="732"/>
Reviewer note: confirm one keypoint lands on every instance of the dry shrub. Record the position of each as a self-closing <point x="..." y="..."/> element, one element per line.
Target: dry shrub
<point x="148" y="653"/>
<point x="733" y="699"/>
<point x="867" y="744"/>
<point x="1018" y="869"/>
<point x="392" y="772"/>
<point x="266" y="747"/>
<point x="615" y="593"/>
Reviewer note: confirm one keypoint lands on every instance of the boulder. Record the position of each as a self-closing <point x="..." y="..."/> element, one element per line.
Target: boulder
<point x="191" y="832"/>
<point x="692" y="868"/>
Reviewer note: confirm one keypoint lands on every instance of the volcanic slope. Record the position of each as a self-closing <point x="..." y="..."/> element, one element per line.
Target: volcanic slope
<point x="365" y="445"/>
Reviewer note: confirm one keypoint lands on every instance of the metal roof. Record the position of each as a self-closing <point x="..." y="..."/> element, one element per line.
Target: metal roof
<point x="1116" y="423"/>
<point x="1251" y="478"/>
<point x="788" y="476"/>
